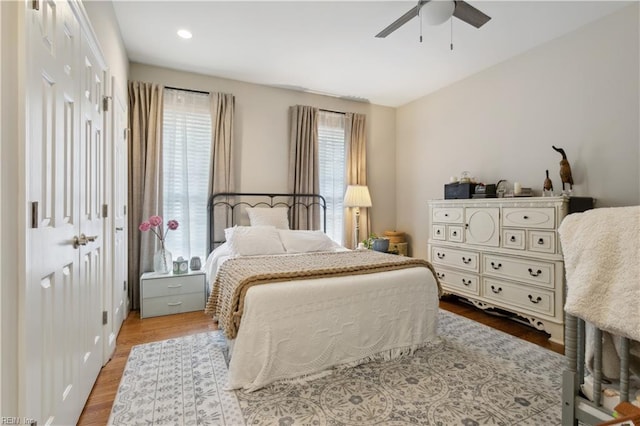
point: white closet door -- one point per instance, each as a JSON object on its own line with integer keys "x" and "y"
{"x": 91, "y": 187}
{"x": 62, "y": 307}
{"x": 119, "y": 300}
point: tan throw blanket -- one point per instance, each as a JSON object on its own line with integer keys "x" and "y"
{"x": 237, "y": 275}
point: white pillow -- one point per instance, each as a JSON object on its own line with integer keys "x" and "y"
{"x": 253, "y": 240}
{"x": 269, "y": 216}
{"x": 306, "y": 241}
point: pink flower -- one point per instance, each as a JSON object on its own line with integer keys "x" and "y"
{"x": 155, "y": 220}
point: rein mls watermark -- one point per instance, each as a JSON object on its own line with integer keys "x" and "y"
{"x": 17, "y": 421}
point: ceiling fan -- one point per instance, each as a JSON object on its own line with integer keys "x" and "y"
{"x": 462, "y": 10}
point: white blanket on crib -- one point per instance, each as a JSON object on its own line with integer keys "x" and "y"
{"x": 602, "y": 255}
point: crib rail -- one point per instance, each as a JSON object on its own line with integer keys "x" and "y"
{"x": 575, "y": 406}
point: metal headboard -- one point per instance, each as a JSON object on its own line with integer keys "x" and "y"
{"x": 227, "y": 209}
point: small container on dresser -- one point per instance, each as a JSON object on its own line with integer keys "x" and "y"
{"x": 165, "y": 294}
{"x": 504, "y": 253}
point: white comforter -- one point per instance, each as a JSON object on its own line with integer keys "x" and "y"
{"x": 290, "y": 330}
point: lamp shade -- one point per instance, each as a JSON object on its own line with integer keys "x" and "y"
{"x": 357, "y": 196}
{"x": 437, "y": 12}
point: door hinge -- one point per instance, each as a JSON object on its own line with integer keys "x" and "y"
{"x": 124, "y": 285}
{"x": 124, "y": 210}
{"x": 34, "y": 214}
{"x": 105, "y": 103}
{"x": 105, "y": 210}
{"x": 126, "y": 133}
{"x": 105, "y": 317}
{"x": 35, "y": 4}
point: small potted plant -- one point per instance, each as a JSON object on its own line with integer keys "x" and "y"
{"x": 374, "y": 242}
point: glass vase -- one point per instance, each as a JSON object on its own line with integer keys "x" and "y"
{"x": 162, "y": 261}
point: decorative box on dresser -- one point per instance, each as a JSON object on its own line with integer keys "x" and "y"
{"x": 165, "y": 294}
{"x": 504, "y": 253}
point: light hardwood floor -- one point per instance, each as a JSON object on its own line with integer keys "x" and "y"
{"x": 136, "y": 331}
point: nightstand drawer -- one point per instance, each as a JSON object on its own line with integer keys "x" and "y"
{"x": 439, "y": 232}
{"x": 172, "y": 285}
{"x": 165, "y": 305}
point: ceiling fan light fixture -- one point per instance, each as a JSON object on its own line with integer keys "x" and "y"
{"x": 437, "y": 12}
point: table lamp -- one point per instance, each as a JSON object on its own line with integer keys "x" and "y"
{"x": 357, "y": 196}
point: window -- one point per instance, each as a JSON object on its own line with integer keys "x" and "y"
{"x": 332, "y": 160}
{"x": 186, "y": 138}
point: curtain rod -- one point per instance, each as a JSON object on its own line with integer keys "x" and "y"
{"x": 188, "y": 90}
{"x": 330, "y": 110}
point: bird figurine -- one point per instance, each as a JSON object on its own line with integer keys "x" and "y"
{"x": 565, "y": 169}
{"x": 547, "y": 185}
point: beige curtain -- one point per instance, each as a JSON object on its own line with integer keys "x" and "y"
{"x": 145, "y": 183}
{"x": 221, "y": 178}
{"x": 304, "y": 176}
{"x": 356, "y": 142}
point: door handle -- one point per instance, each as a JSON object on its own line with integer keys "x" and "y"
{"x": 82, "y": 240}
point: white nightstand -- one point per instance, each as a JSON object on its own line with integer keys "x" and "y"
{"x": 165, "y": 294}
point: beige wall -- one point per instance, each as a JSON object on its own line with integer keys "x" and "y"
{"x": 262, "y": 135}
{"x": 578, "y": 92}
{"x": 105, "y": 26}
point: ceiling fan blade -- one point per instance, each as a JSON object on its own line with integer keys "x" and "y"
{"x": 399, "y": 22}
{"x": 469, "y": 14}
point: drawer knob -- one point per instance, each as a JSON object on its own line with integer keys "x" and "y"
{"x": 525, "y": 217}
{"x": 496, "y": 267}
{"x": 466, "y": 282}
{"x": 174, "y": 303}
{"x": 496, "y": 290}
{"x": 513, "y": 238}
{"x": 455, "y": 233}
{"x": 534, "y": 274}
{"x": 540, "y": 241}
{"x": 466, "y": 260}
{"x": 440, "y": 255}
{"x": 538, "y": 299}
{"x": 446, "y": 215}
{"x": 439, "y": 275}
{"x": 438, "y": 232}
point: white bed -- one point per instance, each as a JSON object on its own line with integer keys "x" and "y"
{"x": 302, "y": 328}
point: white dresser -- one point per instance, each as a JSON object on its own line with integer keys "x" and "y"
{"x": 504, "y": 253}
{"x": 164, "y": 294}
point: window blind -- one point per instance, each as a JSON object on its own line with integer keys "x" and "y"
{"x": 186, "y": 152}
{"x": 332, "y": 161}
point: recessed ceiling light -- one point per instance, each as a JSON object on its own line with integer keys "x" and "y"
{"x": 185, "y": 34}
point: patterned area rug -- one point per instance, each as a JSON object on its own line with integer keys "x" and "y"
{"x": 473, "y": 375}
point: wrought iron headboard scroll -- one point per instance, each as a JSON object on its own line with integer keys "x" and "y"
{"x": 227, "y": 207}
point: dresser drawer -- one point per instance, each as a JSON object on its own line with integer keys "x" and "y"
{"x": 458, "y": 281}
{"x": 520, "y": 269}
{"x": 439, "y": 232}
{"x": 513, "y": 238}
{"x": 542, "y": 241}
{"x": 166, "y": 305}
{"x": 529, "y": 217}
{"x": 447, "y": 214}
{"x": 523, "y": 296}
{"x": 172, "y": 285}
{"x": 455, "y": 233}
{"x": 457, "y": 258}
